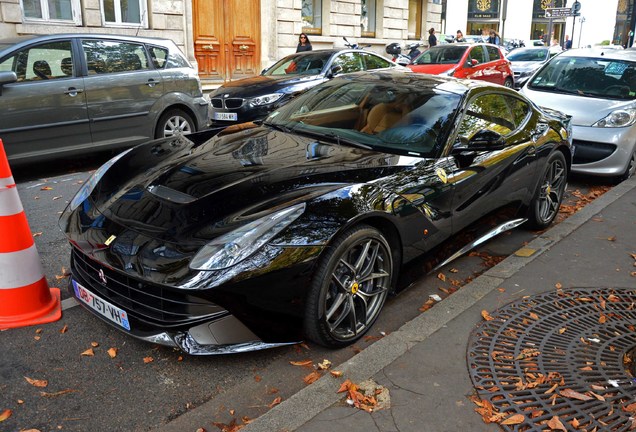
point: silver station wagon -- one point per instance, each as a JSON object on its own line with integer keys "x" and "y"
{"x": 70, "y": 94}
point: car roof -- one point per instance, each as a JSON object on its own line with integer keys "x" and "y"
{"x": 15, "y": 42}
{"x": 613, "y": 54}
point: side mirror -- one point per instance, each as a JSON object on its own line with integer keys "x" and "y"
{"x": 483, "y": 140}
{"x": 335, "y": 70}
{"x": 7, "y": 77}
{"x": 474, "y": 62}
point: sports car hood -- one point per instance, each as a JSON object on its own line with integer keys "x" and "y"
{"x": 262, "y": 84}
{"x": 176, "y": 190}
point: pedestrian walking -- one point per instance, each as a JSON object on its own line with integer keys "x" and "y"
{"x": 494, "y": 38}
{"x": 432, "y": 39}
{"x": 303, "y": 43}
{"x": 568, "y": 43}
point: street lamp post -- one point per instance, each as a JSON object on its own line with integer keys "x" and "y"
{"x": 581, "y": 21}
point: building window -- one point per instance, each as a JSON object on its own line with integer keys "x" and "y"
{"x": 52, "y": 10}
{"x": 367, "y": 18}
{"x": 124, "y": 12}
{"x": 311, "y": 15}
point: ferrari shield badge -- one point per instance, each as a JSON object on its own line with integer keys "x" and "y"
{"x": 441, "y": 173}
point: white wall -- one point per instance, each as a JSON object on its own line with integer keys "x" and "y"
{"x": 456, "y": 13}
{"x": 518, "y": 25}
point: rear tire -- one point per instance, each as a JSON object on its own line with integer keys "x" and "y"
{"x": 174, "y": 122}
{"x": 349, "y": 287}
{"x": 549, "y": 194}
{"x": 508, "y": 83}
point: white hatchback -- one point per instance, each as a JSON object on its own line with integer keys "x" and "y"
{"x": 597, "y": 88}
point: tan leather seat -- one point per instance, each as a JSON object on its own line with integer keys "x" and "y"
{"x": 382, "y": 117}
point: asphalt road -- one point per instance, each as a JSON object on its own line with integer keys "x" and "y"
{"x": 148, "y": 387}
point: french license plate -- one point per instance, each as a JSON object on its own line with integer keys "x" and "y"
{"x": 225, "y": 116}
{"x": 101, "y": 306}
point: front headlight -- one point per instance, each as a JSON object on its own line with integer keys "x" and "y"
{"x": 233, "y": 247}
{"x": 88, "y": 186}
{"x": 618, "y": 118}
{"x": 265, "y": 99}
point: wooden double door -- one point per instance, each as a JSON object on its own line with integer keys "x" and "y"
{"x": 227, "y": 38}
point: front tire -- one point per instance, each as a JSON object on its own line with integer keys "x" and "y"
{"x": 629, "y": 171}
{"x": 174, "y": 122}
{"x": 349, "y": 287}
{"x": 508, "y": 83}
{"x": 549, "y": 194}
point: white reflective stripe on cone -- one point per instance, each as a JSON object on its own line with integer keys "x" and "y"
{"x": 10, "y": 203}
{"x": 21, "y": 268}
{"x": 7, "y": 182}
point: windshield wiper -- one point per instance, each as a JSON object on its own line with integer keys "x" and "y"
{"x": 333, "y": 137}
{"x": 278, "y": 127}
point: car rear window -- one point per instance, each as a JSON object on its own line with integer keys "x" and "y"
{"x": 588, "y": 77}
{"x": 447, "y": 54}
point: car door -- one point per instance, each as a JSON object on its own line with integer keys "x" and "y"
{"x": 485, "y": 180}
{"x": 45, "y": 110}
{"x": 123, "y": 91}
{"x": 475, "y": 63}
{"x": 496, "y": 69}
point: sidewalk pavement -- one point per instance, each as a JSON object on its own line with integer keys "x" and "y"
{"x": 423, "y": 364}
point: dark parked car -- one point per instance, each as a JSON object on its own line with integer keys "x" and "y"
{"x": 265, "y": 234}
{"x": 478, "y": 61}
{"x": 526, "y": 61}
{"x": 62, "y": 95}
{"x": 254, "y": 98}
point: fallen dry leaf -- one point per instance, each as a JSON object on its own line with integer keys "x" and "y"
{"x": 324, "y": 365}
{"x": 558, "y": 285}
{"x": 94, "y": 344}
{"x": 441, "y": 276}
{"x": 485, "y": 315}
{"x": 257, "y": 378}
{"x": 37, "y": 234}
{"x": 46, "y": 188}
{"x": 148, "y": 359}
{"x": 312, "y": 377}
{"x": 64, "y": 329}
{"x": 112, "y": 352}
{"x": 336, "y": 374}
{"x": 555, "y": 424}
{"x": 514, "y": 419}
{"x": 275, "y": 402}
{"x": 36, "y": 382}
{"x": 60, "y": 393}
{"x": 569, "y": 393}
{"x": 88, "y": 353}
{"x": 5, "y": 414}
{"x": 301, "y": 363}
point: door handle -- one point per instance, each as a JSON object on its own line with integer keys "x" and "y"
{"x": 208, "y": 47}
{"x": 72, "y": 91}
{"x": 151, "y": 83}
{"x": 539, "y": 130}
{"x": 243, "y": 47}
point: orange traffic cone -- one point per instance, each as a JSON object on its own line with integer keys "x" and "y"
{"x": 25, "y": 297}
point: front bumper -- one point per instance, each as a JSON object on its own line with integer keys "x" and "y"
{"x": 603, "y": 151}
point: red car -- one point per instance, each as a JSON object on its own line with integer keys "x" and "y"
{"x": 479, "y": 61}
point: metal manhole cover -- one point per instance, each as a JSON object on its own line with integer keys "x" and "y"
{"x": 562, "y": 354}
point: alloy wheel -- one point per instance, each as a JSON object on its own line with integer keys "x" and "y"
{"x": 551, "y": 192}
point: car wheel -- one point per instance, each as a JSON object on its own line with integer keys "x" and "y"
{"x": 629, "y": 171}
{"x": 508, "y": 83}
{"x": 349, "y": 287}
{"x": 547, "y": 199}
{"x": 174, "y": 122}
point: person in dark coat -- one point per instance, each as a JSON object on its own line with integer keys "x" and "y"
{"x": 432, "y": 39}
{"x": 303, "y": 43}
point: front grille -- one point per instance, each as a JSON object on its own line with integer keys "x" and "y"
{"x": 588, "y": 151}
{"x": 230, "y": 103}
{"x": 151, "y": 303}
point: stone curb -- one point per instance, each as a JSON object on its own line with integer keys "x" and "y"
{"x": 315, "y": 398}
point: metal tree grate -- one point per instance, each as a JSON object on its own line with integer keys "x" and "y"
{"x": 541, "y": 356}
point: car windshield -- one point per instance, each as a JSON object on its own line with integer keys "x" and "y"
{"x": 300, "y": 64}
{"x": 447, "y": 54}
{"x": 400, "y": 116}
{"x": 530, "y": 55}
{"x": 591, "y": 77}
